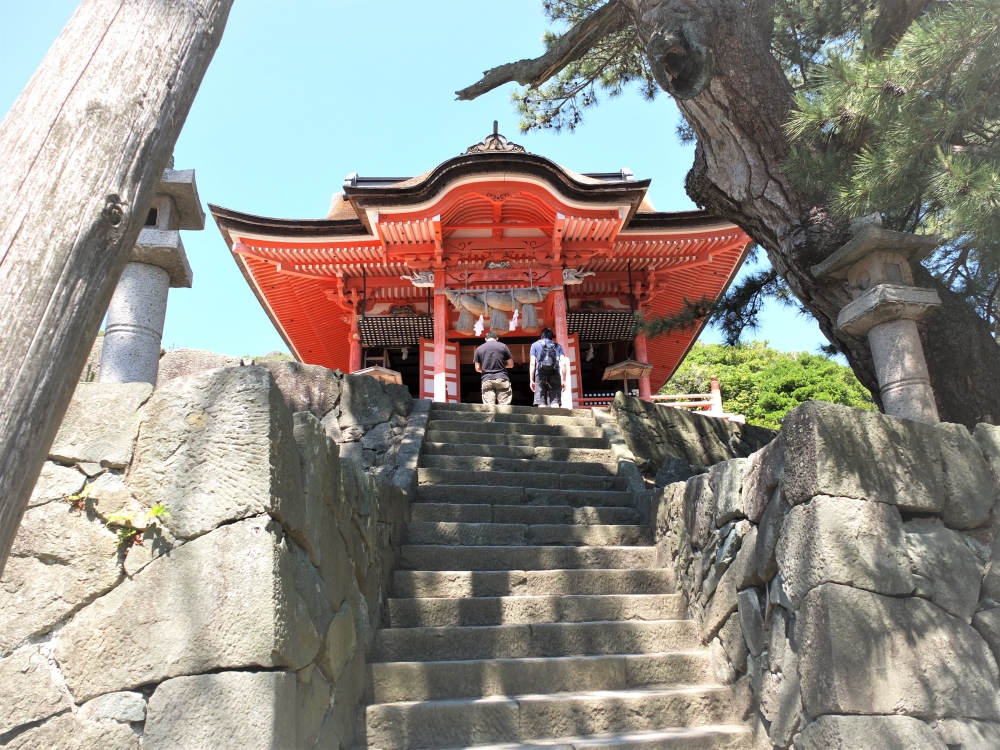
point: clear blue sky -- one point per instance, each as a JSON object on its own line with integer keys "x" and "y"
{"x": 302, "y": 93}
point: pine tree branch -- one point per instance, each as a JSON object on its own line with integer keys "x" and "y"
{"x": 571, "y": 46}
{"x": 894, "y": 18}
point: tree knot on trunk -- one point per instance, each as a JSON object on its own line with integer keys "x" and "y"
{"x": 680, "y": 63}
{"x": 115, "y": 211}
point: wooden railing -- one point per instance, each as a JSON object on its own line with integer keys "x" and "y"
{"x": 709, "y": 404}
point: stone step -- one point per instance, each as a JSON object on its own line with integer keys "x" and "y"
{"x": 521, "y": 535}
{"x": 457, "y": 723}
{"x": 480, "y": 494}
{"x": 486, "y": 438}
{"x": 528, "y": 410}
{"x": 448, "y": 557}
{"x": 532, "y": 452}
{"x": 392, "y": 682}
{"x": 529, "y": 514}
{"x": 507, "y": 428}
{"x": 541, "y": 639}
{"x": 481, "y": 463}
{"x": 711, "y": 737}
{"x": 539, "y": 479}
{"x": 525, "y": 610}
{"x": 466, "y": 584}
{"x": 537, "y": 416}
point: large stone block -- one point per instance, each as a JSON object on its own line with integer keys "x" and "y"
{"x": 971, "y": 491}
{"x": 761, "y": 474}
{"x": 838, "y": 451}
{"x": 363, "y": 402}
{"x": 216, "y": 447}
{"x": 865, "y": 653}
{"x": 223, "y": 601}
{"x": 699, "y": 509}
{"x": 947, "y": 571}
{"x": 402, "y": 399}
{"x": 726, "y": 479}
{"x": 311, "y": 703}
{"x": 768, "y": 533}
{"x": 124, "y": 707}
{"x": 101, "y": 424}
{"x": 309, "y": 521}
{"x": 61, "y": 559}
{"x": 987, "y": 624}
{"x": 656, "y": 433}
{"x": 309, "y": 388}
{"x": 245, "y": 710}
{"x": 67, "y": 732}
{"x": 56, "y": 482}
{"x": 840, "y": 540}
{"x": 179, "y": 363}
{"x": 869, "y": 733}
{"x": 28, "y": 692}
{"x": 968, "y": 734}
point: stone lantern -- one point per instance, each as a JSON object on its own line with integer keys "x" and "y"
{"x": 131, "y": 349}
{"x": 886, "y": 306}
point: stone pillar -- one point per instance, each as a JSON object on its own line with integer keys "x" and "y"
{"x": 886, "y": 308}
{"x": 440, "y": 342}
{"x": 641, "y": 355}
{"x": 131, "y": 347}
{"x": 131, "y": 350}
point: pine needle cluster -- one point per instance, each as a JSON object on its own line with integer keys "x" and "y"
{"x": 915, "y": 135}
{"x": 613, "y": 64}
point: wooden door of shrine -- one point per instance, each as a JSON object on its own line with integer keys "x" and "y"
{"x": 451, "y": 371}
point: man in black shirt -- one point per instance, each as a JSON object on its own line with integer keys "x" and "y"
{"x": 493, "y": 359}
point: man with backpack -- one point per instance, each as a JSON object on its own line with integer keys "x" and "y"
{"x": 547, "y": 369}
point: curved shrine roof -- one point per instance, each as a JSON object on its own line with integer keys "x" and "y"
{"x": 493, "y": 207}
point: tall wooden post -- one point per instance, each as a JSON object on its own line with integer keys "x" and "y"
{"x": 440, "y": 342}
{"x": 645, "y": 389}
{"x": 559, "y": 313}
{"x": 355, "y": 364}
{"x": 84, "y": 148}
{"x": 562, "y": 336}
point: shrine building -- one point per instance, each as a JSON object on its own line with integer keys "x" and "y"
{"x": 405, "y": 274}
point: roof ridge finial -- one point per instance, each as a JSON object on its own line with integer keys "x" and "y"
{"x": 495, "y": 142}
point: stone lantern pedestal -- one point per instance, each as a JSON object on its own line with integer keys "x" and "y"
{"x": 886, "y": 307}
{"x": 131, "y": 348}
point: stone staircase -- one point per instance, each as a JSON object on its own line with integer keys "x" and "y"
{"x": 528, "y": 611}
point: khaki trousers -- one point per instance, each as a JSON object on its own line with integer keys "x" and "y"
{"x": 497, "y": 392}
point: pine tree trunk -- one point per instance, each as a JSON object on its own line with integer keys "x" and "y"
{"x": 713, "y": 58}
{"x": 83, "y": 150}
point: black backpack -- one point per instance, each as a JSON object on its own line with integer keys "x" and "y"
{"x": 547, "y": 360}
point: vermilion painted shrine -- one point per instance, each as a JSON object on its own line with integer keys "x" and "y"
{"x": 401, "y": 270}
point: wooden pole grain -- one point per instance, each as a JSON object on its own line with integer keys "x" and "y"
{"x": 81, "y": 153}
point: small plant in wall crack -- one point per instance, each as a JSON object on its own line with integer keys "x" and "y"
{"x": 128, "y": 525}
{"x": 79, "y": 500}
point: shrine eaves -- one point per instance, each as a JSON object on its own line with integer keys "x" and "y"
{"x": 405, "y": 273}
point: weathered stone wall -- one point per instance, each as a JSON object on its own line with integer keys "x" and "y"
{"x": 845, "y": 575}
{"x": 673, "y": 444}
{"x": 241, "y": 616}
